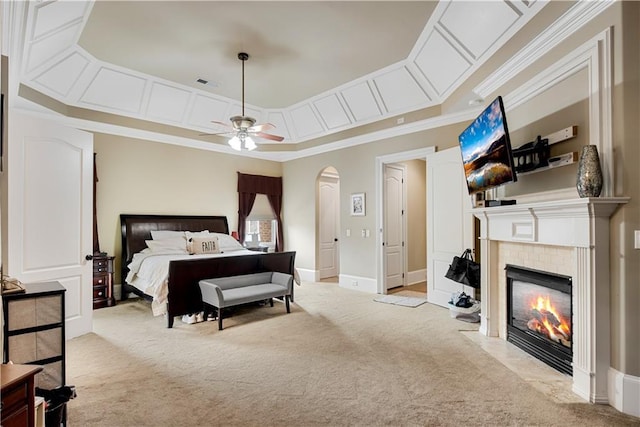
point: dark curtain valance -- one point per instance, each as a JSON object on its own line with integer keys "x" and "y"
{"x": 258, "y": 184}
{"x": 248, "y": 187}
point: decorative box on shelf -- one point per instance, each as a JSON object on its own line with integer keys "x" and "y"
{"x": 103, "y": 281}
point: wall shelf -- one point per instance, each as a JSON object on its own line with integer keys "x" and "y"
{"x": 562, "y": 159}
{"x": 573, "y": 159}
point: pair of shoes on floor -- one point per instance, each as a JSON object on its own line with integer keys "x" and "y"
{"x": 190, "y": 319}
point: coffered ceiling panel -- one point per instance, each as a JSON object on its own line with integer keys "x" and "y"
{"x": 49, "y": 47}
{"x": 400, "y": 91}
{"x": 305, "y": 121}
{"x": 61, "y": 77}
{"x": 361, "y": 102}
{"x": 331, "y": 111}
{"x": 205, "y": 109}
{"x": 478, "y": 25}
{"x": 167, "y": 103}
{"x": 115, "y": 90}
{"x": 441, "y": 63}
{"x": 51, "y": 16}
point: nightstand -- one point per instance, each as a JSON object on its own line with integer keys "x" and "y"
{"x": 103, "y": 281}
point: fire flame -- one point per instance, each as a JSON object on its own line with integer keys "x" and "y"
{"x": 548, "y": 321}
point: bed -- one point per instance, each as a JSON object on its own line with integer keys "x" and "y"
{"x": 183, "y": 272}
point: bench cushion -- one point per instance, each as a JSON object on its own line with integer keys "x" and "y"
{"x": 252, "y": 293}
{"x": 241, "y": 281}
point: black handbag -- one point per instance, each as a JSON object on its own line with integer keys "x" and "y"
{"x": 463, "y": 269}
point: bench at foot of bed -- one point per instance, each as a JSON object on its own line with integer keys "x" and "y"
{"x": 230, "y": 291}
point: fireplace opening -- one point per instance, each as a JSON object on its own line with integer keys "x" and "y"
{"x": 539, "y": 315}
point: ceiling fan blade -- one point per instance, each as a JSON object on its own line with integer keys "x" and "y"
{"x": 269, "y": 136}
{"x": 226, "y": 125}
{"x": 261, "y": 127}
{"x": 218, "y": 133}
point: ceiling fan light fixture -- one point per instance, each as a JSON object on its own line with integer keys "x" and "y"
{"x": 249, "y": 144}
{"x": 235, "y": 143}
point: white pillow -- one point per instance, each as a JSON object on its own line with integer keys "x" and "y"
{"x": 206, "y": 244}
{"x": 166, "y": 234}
{"x": 228, "y": 243}
{"x": 175, "y": 244}
{"x": 190, "y": 234}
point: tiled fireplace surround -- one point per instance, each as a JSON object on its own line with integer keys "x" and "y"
{"x": 569, "y": 237}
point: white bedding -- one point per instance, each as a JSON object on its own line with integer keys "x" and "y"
{"x": 149, "y": 270}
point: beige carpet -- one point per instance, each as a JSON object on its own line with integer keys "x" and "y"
{"x": 338, "y": 359}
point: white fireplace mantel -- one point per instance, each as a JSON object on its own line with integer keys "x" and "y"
{"x": 582, "y": 224}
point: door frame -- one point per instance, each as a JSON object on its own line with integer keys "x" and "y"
{"x": 420, "y": 153}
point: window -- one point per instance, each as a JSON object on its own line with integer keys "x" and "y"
{"x": 261, "y": 226}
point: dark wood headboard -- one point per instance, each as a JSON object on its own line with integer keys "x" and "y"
{"x": 137, "y": 228}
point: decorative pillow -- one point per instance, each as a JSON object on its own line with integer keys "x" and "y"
{"x": 204, "y": 245}
{"x": 175, "y": 244}
{"x": 166, "y": 234}
{"x": 189, "y": 235}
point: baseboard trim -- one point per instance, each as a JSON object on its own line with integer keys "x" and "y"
{"x": 307, "y": 275}
{"x": 357, "y": 283}
{"x": 624, "y": 392}
{"x": 416, "y": 276}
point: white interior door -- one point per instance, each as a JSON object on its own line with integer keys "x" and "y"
{"x": 393, "y": 226}
{"x": 50, "y": 212}
{"x": 449, "y": 222}
{"x": 328, "y": 229}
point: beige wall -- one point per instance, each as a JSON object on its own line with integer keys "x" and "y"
{"x": 356, "y": 166}
{"x": 137, "y": 176}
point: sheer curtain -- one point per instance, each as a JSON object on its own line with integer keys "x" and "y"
{"x": 248, "y": 187}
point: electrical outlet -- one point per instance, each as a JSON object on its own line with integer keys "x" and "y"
{"x": 368, "y": 233}
{"x": 348, "y": 232}
{"x": 400, "y": 120}
{"x": 364, "y": 233}
{"x": 354, "y": 283}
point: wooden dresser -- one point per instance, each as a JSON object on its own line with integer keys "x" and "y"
{"x": 18, "y": 391}
{"x": 103, "y": 281}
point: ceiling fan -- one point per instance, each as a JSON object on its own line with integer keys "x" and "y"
{"x": 242, "y": 127}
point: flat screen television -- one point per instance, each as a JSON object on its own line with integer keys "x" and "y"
{"x": 486, "y": 150}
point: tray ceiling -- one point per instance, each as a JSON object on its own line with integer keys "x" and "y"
{"x": 315, "y": 68}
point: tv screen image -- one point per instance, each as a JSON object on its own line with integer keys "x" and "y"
{"x": 486, "y": 150}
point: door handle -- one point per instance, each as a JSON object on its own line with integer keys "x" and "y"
{"x": 335, "y": 239}
{"x": 88, "y": 257}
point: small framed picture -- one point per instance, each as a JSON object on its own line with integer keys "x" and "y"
{"x": 357, "y": 204}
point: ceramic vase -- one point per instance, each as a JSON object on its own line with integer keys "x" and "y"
{"x": 589, "y": 180}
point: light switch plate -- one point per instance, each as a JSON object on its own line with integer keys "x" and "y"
{"x": 636, "y": 240}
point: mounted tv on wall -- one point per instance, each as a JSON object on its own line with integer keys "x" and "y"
{"x": 486, "y": 150}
